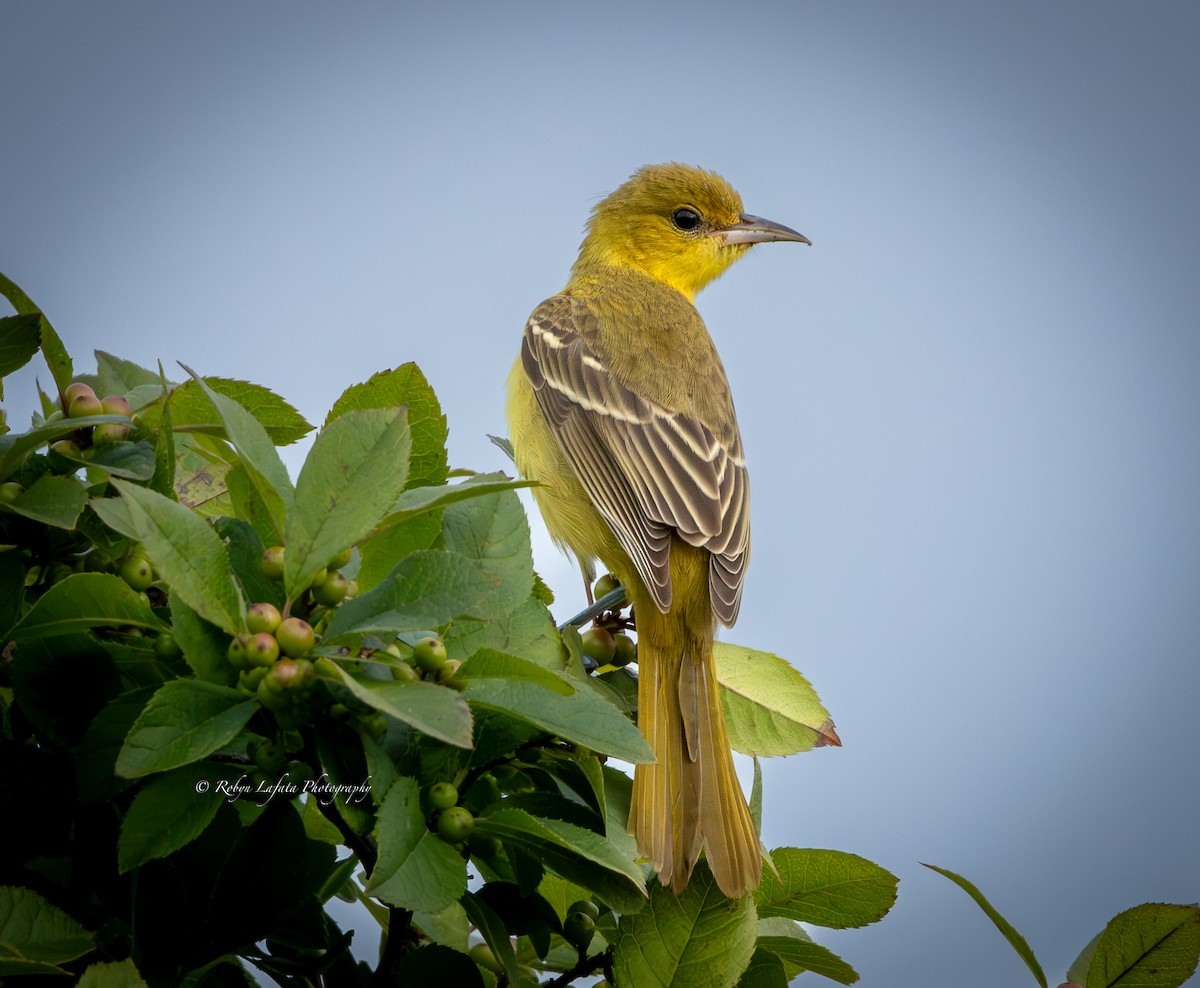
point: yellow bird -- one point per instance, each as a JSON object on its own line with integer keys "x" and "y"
{"x": 619, "y": 405}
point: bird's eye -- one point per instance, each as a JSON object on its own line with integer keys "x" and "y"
{"x": 685, "y": 219}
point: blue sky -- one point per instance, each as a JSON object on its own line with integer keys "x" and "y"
{"x": 970, "y": 407}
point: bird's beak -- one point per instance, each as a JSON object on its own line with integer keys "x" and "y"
{"x": 756, "y": 230}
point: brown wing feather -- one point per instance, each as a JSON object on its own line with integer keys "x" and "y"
{"x": 650, "y": 471}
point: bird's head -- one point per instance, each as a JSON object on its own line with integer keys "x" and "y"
{"x": 681, "y": 225}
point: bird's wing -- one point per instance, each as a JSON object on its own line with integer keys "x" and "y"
{"x": 651, "y": 472}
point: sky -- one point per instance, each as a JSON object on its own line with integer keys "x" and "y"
{"x": 970, "y": 408}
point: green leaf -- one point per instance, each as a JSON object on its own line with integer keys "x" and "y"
{"x": 20, "y": 338}
{"x": 205, "y": 646}
{"x": 435, "y": 710}
{"x": 826, "y": 888}
{"x": 257, "y": 451}
{"x": 405, "y": 385}
{"x": 527, "y": 631}
{"x": 765, "y": 971}
{"x": 35, "y": 935}
{"x": 83, "y": 601}
{"x": 193, "y": 410}
{"x": 1010, "y": 934}
{"x": 418, "y": 500}
{"x": 133, "y": 461}
{"x": 1154, "y": 945}
{"x": 57, "y": 358}
{"x": 169, "y": 813}
{"x": 415, "y": 869}
{"x": 697, "y": 939}
{"x": 574, "y": 853}
{"x": 434, "y": 964}
{"x": 494, "y": 531}
{"x": 1077, "y": 972}
{"x": 579, "y": 716}
{"x": 117, "y": 376}
{"x": 14, "y": 448}
{"x": 117, "y": 974}
{"x": 770, "y": 709}
{"x": 808, "y": 956}
{"x": 185, "y": 721}
{"x": 494, "y": 932}
{"x": 52, "y": 500}
{"x": 354, "y": 472}
{"x": 383, "y": 550}
{"x": 426, "y": 589}
{"x": 185, "y": 552}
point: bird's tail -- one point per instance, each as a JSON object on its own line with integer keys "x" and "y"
{"x": 689, "y": 799}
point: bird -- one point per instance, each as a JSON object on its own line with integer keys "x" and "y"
{"x": 619, "y": 407}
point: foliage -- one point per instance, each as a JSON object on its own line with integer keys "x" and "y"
{"x": 257, "y": 694}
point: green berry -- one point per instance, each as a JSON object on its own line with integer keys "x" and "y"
{"x": 447, "y": 675}
{"x": 578, "y": 930}
{"x": 455, "y": 824}
{"x": 288, "y": 674}
{"x": 83, "y": 405}
{"x": 585, "y": 906}
{"x": 319, "y": 577}
{"x": 626, "y": 650}
{"x": 340, "y": 560}
{"x": 166, "y": 647}
{"x": 295, "y": 636}
{"x": 249, "y": 679}
{"x": 115, "y": 405}
{"x": 270, "y": 757}
{"x": 74, "y": 389}
{"x": 404, "y": 672}
{"x": 482, "y": 955}
{"x": 443, "y": 795}
{"x": 598, "y": 644}
{"x": 10, "y": 490}
{"x": 605, "y": 585}
{"x": 137, "y": 572}
{"x": 429, "y": 654}
{"x": 332, "y": 591}
{"x": 236, "y": 652}
{"x": 262, "y": 650}
{"x": 272, "y": 562}
{"x": 263, "y": 617}
{"x": 109, "y": 432}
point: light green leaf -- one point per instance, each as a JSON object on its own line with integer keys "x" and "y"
{"x": 53, "y": 500}
{"x": 803, "y": 955}
{"x": 185, "y": 552}
{"x": 435, "y": 710}
{"x": 418, "y": 500}
{"x": 574, "y": 853}
{"x": 169, "y": 813}
{"x": 57, "y": 358}
{"x": 770, "y": 709}
{"x": 117, "y": 974}
{"x": 527, "y": 630}
{"x": 415, "y": 869}
{"x": 697, "y": 939}
{"x": 83, "y": 601}
{"x": 1154, "y": 945}
{"x": 582, "y": 716}
{"x": 354, "y": 472}
{"x": 117, "y": 376}
{"x": 193, "y": 411}
{"x": 205, "y": 646}
{"x": 14, "y": 448}
{"x": 826, "y": 888}
{"x": 426, "y": 589}
{"x": 494, "y": 532}
{"x": 34, "y": 935}
{"x": 405, "y": 385}
{"x": 1014, "y": 938}
{"x": 256, "y": 449}
{"x": 185, "y": 721}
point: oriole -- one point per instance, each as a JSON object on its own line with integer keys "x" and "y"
{"x": 619, "y": 405}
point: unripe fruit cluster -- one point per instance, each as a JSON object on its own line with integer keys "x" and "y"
{"x": 427, "y": 661}
{"x": 604, "y": 648}
{"x": 80, "y": 401}
{"x": 579, "y": 926}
